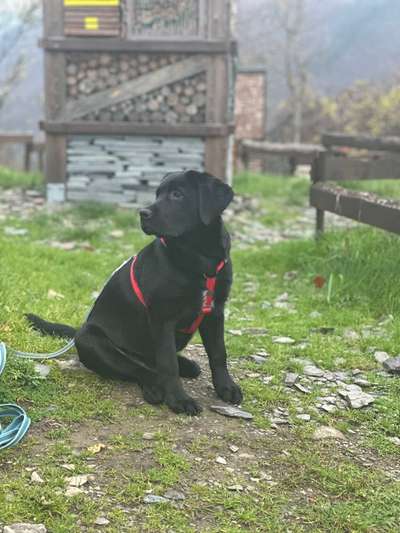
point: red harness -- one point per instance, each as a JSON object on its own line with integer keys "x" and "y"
{"x": 208, "y": 296}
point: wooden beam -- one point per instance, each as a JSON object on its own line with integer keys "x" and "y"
{"x": 363, "y": 142}
{"x": 341, "y": 168}
{"x": 137, "y": 87}
{"x": 53, "y": 18}
{"x": 289, "y": 149}
{"x": 136, "y": 128}
{"x": 192, "y": 46}
{"x": 360, "y": 206}
{"x": 56, "y": 158}
{"x": 15, "y": 137}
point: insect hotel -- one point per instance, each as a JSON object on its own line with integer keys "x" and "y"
{"x": 135, "y": 89}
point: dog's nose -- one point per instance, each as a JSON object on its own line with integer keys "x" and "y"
{"x": 145, "y": 213}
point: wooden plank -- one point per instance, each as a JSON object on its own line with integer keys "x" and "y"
{"x": 340, "y": 168}
{"x": 55, "y": 85}
{"x": 91, "y": 3}
{"x": 216, "y": 156}
{"x": 218, "y": 20}
{"x": 15, "y": 137}
{"x": 53, "y": 20}
{"x": 290, "y": 149}
{"x": 137, "y": 45}
{"x": 364, "y": 142}
{"x": 55, "y": 164}
{"x": 362, "y": 207}
{"x": 131, "y": 128}
{"x": 137, "y": 87}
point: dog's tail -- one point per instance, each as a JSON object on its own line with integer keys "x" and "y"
{"x": 48, "y": 328}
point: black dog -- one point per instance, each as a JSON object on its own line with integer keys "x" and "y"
{"x": 151, "y": 305}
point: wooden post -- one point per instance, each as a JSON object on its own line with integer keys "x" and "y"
{"x": 320, "y": 213}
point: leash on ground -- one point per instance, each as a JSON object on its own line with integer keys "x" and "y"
{"x": 19, "y": 421}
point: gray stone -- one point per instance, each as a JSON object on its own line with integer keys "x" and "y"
{"x": 355, "y": 397}
{"x": 328, "y": 408}
{"x": 304, "y": 417}
{"x": 301, "y": 388}
{"x": 392, "y": 365}
{"x": 283, "y": 340}
{"x": 174, "y": 495}
{"x": 101, "y": 521}
{"x": 313, "y": 371}
{"x": 259, "y": 359}
{"x": 291, "y": 378}
{"x": 25, "y": 528}
{"x": 42, "y": 370}
{"x": 231, "y": 411}
{"x": 153, "y": 498}
{"x": 327, "y": 432}
{"x": 381, "y": 357}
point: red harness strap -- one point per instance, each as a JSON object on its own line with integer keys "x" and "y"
{"x": 208, "y": 295}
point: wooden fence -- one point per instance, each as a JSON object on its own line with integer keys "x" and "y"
{"x": 149, "y": 78}
{"x": 29, "y": 147}
{"x": 292, "y": 154}
{"x": 349, "y": 158}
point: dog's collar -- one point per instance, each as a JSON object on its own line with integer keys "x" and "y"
{"x": 208, "y": 294}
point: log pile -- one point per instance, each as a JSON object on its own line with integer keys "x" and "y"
{"x": 177, "y": 103}
{"x": 126, "y": 169}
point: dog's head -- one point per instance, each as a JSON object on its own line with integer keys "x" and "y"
{"x": 184, "y": 201}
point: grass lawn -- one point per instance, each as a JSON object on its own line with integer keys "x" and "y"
{"x": 235, "y": 475}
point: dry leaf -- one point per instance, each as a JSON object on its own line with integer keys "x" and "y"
{"x": 96, "y": 448}
{"x": 53, "y": 295}
{"x": 319, "y": 282}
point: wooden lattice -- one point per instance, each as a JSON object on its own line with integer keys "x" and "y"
{"x": 164, "y": 18}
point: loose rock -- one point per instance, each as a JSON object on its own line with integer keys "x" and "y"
{"x": 233, "y": 412}
{"x": 381, "y": 357}
{"x": 25, "y": 528}
{"x": 290, "y": 379}
{"x": 153, "y": 498}
{"x": 392, "y": 365}
{"x": 174, "y": 495}
{"x": 101, "y": 521}
{"x": 355, "y": 397}
{"x": 35, "y": 478}
{"x": 327, "y": 432}
{"x": 283, "y": 340}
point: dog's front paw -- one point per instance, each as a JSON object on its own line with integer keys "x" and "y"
{"x": 153, "y": 394}
{"x": 229, "y": 392}
{"x": 183, "y": 404}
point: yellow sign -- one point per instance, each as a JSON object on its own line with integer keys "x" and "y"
{"x": 91, "y": 23}
{"x": 91, "y": 3}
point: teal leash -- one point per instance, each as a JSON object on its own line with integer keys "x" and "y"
{"x": 20, "y": 422}
{"x": 16, "y": 430}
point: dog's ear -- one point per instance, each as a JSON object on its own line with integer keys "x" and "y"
{"x": 214, "y": 195}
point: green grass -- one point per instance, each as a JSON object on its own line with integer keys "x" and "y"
{"x": 12, "y": 178}
{"x": 309, "y": 486}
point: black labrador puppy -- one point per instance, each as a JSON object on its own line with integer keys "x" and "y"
{"x": 152, "y": 305}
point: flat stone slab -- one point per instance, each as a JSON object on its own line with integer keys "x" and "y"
{"x": 392, "y": 365}
{"x": 25, "y": 528}
{"x": 327, "y": 432}
{"x": 231, "y": 411}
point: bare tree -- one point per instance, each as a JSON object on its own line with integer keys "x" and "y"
{"x": 290, "y": 18}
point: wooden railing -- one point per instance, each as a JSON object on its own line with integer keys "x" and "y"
{"x": 348, "y": 158}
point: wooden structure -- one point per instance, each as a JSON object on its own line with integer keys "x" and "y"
{"x": 134, "y": 89}
{"x": 350, "y": 158}
{"x": 29, "y": 147}
{"x": 251, "y": 103}
{"x": 291, "y": 153}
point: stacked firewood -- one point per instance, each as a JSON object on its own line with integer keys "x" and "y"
{"x": 177, "y": 103}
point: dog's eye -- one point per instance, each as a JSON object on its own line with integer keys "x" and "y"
{"x": 176, "y": 195}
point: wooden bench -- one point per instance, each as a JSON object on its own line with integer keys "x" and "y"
{"x": 358, "y": 157}
{"x": 29, "y": 145}
{"x": 295, "y": 153}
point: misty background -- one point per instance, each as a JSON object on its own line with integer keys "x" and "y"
{"x": 337, "y": 43}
